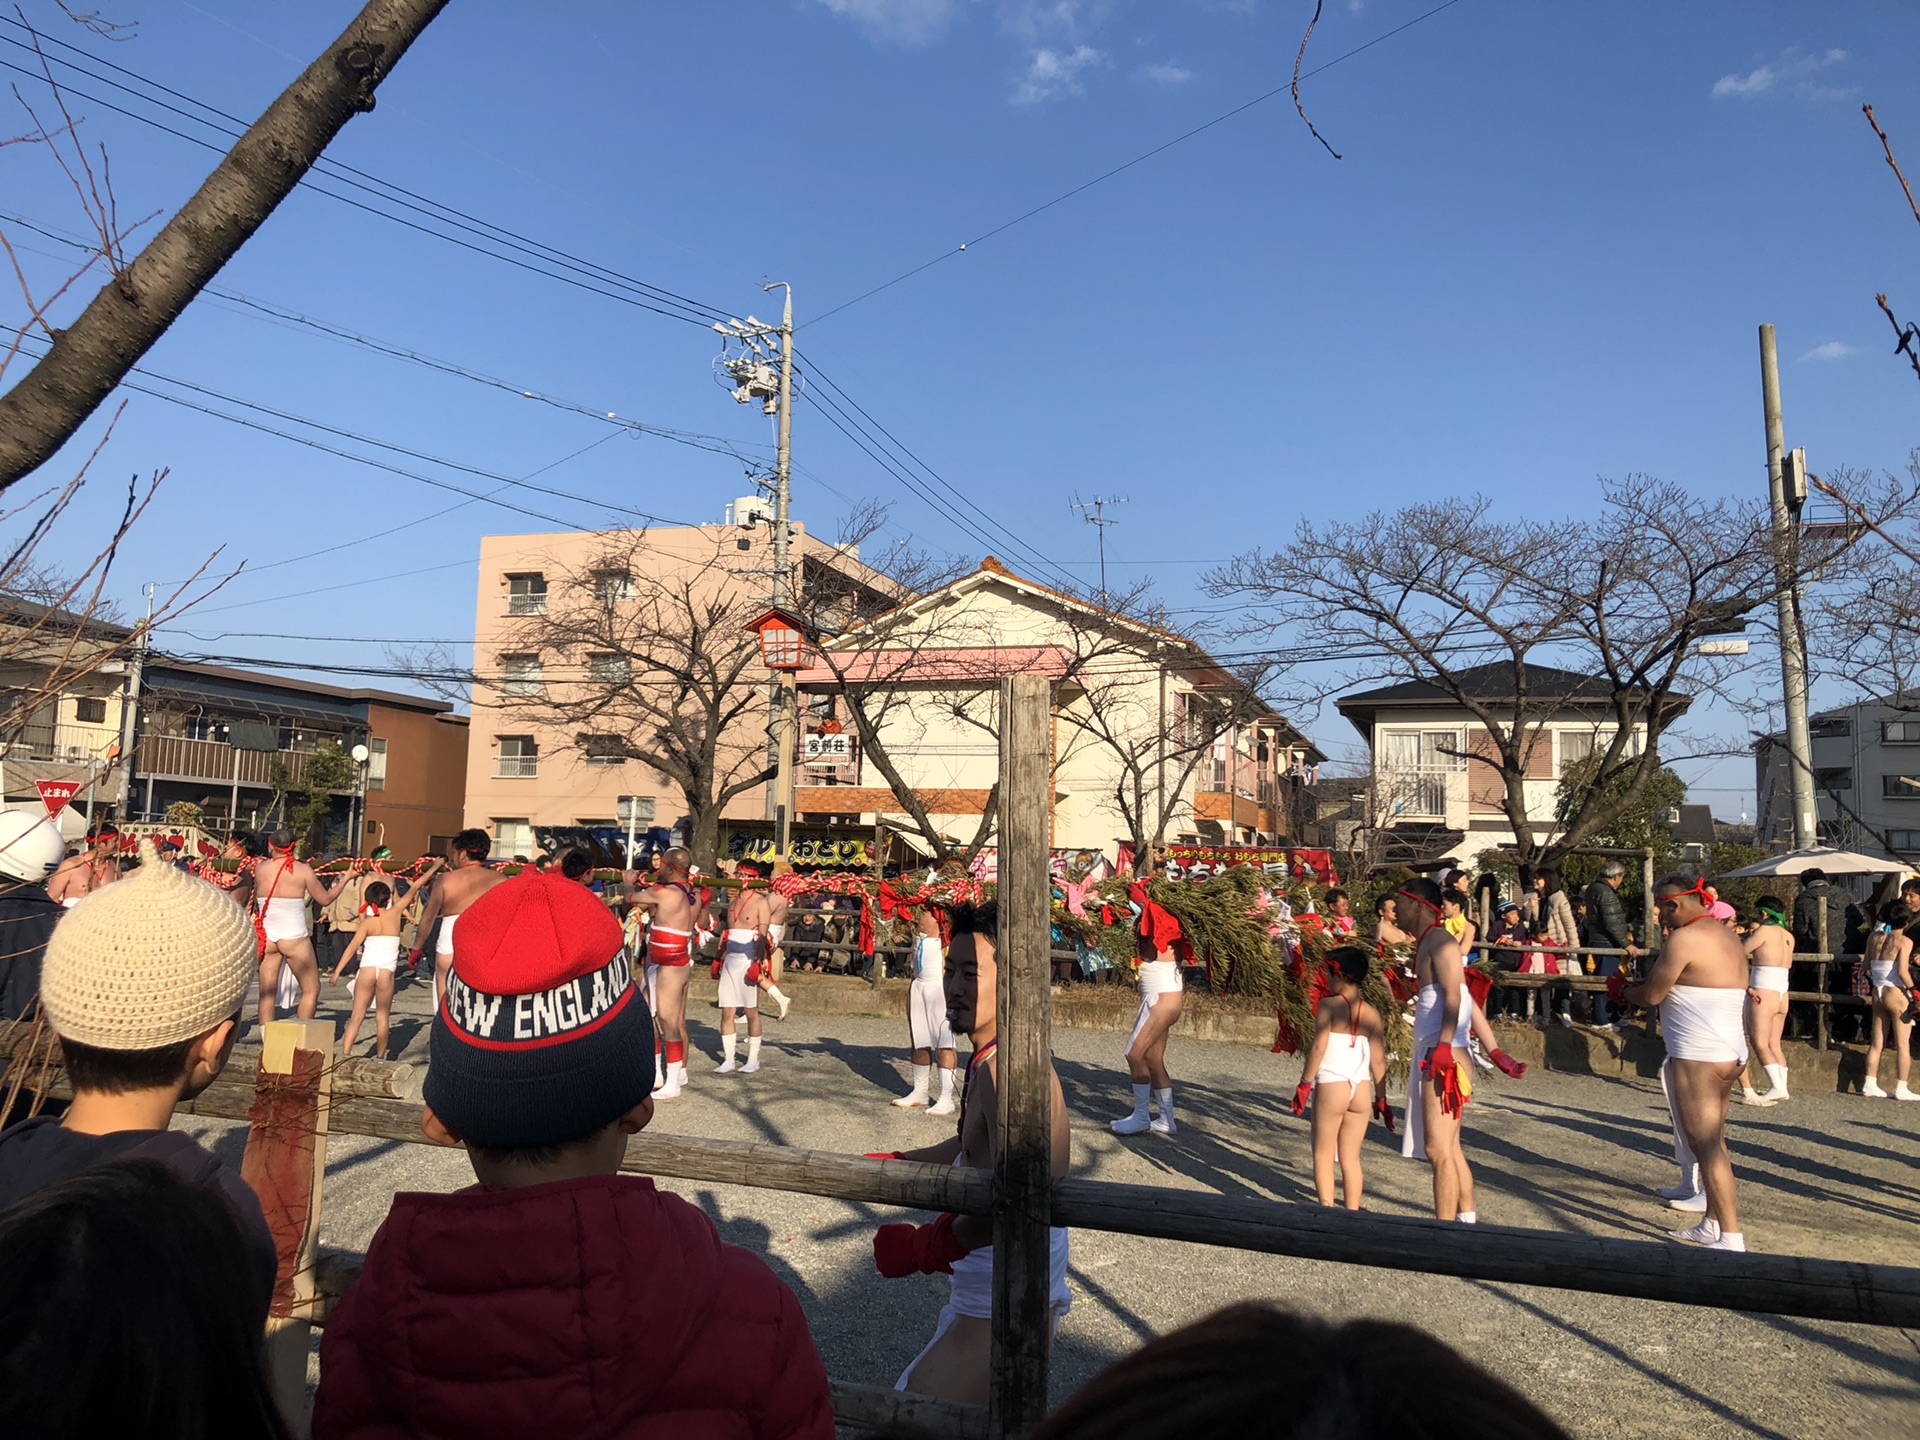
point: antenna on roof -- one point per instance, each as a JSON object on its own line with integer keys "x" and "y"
{"x": 1094, "y": 513}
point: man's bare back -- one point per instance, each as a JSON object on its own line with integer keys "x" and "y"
{"x": 1770, "y": 945}
{"x": 458, "y": 889}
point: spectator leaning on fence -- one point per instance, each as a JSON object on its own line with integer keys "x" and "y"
{"x": 1608, "y": 929}
{"x": 557, "y": 1296}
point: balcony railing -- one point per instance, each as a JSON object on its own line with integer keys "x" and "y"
{"x": 65, "y": 744}
{"x": 1410, "y": 795}
{"x": 518, "y": 767}
{"x": 174, "y": 757}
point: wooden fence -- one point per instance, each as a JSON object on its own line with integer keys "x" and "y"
{"x": 1024, "y": 1200}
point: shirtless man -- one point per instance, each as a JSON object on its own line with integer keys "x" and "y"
{"x": 777, "y": 907}
{"x": 743, "y": 952}
{"x": 80, "y": 875}
{"x": 1770, "y": 952}
{"x": 956, "y": 1363}
{"x": 929, "y": 1031}
{"x": 674, "y": 911}
{"x": 452, "y": 895}
{"x": 277, "y": 893}
{"x": 1699, "y": 981}
{"x": 1442, "y": 1079}
{"x": 1889, "y": 962}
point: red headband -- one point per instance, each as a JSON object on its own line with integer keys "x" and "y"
{"x": 1706, "y": 896}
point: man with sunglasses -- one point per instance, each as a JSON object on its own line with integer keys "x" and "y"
{"x": 1699, "y": 982}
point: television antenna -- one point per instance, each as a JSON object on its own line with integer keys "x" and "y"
{"x": 1094, "y": 512}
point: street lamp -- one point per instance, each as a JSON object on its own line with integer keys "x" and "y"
{"x": 787, "y": 646}
{"x": 360, "y": 754}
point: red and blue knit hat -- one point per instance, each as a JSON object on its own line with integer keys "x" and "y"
{"x": 544, "y": 1036}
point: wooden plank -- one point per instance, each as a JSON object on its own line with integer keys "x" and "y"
{"x": 1766, "y": 1284}
{"x": 1023, "y": 1170}
{"x": 895, "y": 1412}
{"x": 286, "y": 1163}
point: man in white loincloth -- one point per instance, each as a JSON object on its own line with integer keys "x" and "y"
{"x": 929, "y": 1031}
{"x": 1442, "y": 1081}
{"x": 277, "y": 893}
{"x": 454, "y": 893}
{"x": 1699, "y": 982}
{"x": 742, "y": 950}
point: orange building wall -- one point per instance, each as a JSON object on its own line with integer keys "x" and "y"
{"x": 426, "y": 780}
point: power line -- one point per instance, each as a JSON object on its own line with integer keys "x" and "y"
{"x": 642, "y": 294}
{"x": 1106, "y": 175}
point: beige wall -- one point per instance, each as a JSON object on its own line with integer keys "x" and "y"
{"x": 568, "y": 789}
{"x": 425, "y": 783}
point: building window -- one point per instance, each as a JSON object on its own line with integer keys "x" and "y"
{"x": 604, "y": 749}
{"x": 376, "y": 764}
{"x": 1576, "y": 748}
{"x": 1834, "y": 777}
{"x": 608, "y": 668}
{"x": 1900, "y": 732}
{"x": 90, "y": 710}
{"x": 201, "y": 726}
{"x": 526, "y": 594}
{"x": 519, "y": 758}
{"x": 523, "y": 677}
{"x": 1831, "y": 727}
{"x": 1900, "y": 787}
{"x": 1903, "y": 842}
{"x": 612, "y": 586}
{"x": 512, "y": 837}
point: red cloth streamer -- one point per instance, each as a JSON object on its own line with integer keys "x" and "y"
{"x": 1479, "y": 986}
{"x": 866, "y": 927}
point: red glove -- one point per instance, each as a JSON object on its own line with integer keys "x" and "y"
{"x": 1441, "y": 1067}
{"x": 1300, "y": 1094}
{"x": 1617, "y": 987}
{"x": 885, "y": 1155}
{"x": 414, "y": 958}
{"x": 1508, "y": 1065}
{"x": 718, "y": 966}
{"x": 1384, "y": 1111}
{"x": 903, "y": 1250}
{"x": 753, "y": 974}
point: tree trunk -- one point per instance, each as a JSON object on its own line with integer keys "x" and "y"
{"x": 705, "y": 821}
{"x": 133, "y": 310}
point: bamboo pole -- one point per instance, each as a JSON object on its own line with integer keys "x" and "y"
{"x": 1023, "y": 1169}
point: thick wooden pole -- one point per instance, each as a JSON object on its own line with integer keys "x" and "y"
{"x": 1023, "y": 1176}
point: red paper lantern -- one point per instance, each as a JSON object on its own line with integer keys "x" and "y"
{"x": 786, "y": 641}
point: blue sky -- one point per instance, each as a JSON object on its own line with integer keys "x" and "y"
{"x": 1542, "y": 260}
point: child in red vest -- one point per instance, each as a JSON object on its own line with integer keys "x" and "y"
{"x": 557, "y": 1296}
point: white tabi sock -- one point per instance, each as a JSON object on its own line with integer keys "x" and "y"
{"x": 1164, "y": 1099}
{"x": 946, "y": 1085}
{"x": 773, "y": 994}
{"x": 1778, "y": 1075}
{"x": 753, "y": 1049}
{"x": 727, "y": 1043}
{"x": 922, "y": 1076}
{"x": 1468, "y": 1217}
{"x": 1142, "y": 1097}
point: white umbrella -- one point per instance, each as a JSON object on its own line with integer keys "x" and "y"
{"x": 1821, "y": 857}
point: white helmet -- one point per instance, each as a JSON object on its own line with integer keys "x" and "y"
{"x": 31, "y": 848}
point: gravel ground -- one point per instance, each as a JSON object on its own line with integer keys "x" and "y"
{"x": 1825, "y": 1175}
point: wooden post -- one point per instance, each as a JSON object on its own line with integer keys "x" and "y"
{"x": 286, "y": 1164}
{"x": 1023, "y": 1176}
{"x": 1820, "y": 984}
{"x": 1649, "y": 922}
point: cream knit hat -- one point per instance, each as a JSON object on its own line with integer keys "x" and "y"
{"x": 148, "y": 961}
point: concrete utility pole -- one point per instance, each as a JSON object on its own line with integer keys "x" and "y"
{"x": 1785, "y": 502}
{"x": 130, "y": 712}
{"x": 786, "y": 695}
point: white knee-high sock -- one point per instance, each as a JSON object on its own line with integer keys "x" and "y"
{"x": 773, "y": 994}
{"x": 727, "y": 1043}
{"x": 946, "y": 1085}
{"x": 1778, "y": 1075}
{"x": 753, "y": 1049}
{"x": 1142, "y": 1095}
{"x": 922, "y": 1077}
{"x": 1164, "y": 1099}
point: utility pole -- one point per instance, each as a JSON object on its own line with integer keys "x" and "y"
{"x": 1785, "y": 494}
{"x": 130, "y": 711}
{"x": 756, "y": 375}
{"x": 1098, "y": 519}
{"x": 785, "y": 705}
